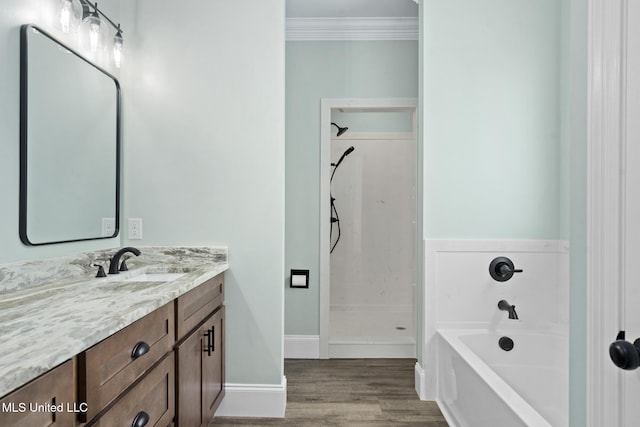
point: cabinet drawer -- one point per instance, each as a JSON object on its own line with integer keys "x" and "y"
{"x": 152, "y": 398}
{"x": 55, "y": 388}
{"x": 109, "y": 367}
{"x": 194, "y": 306}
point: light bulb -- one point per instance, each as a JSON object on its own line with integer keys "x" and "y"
{"x": 65, "y": 16}
{"x": 69, "y": 15}
{"x": 117, "y": 48}
{"x": 94, "y": 29}
{"x": 94, "y": 36}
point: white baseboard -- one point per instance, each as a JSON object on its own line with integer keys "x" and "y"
{"x": 446, "y": 413}
{"x": 420, "y": 382}
{"x": 254, "y": 400}
{"x": 301, "y": 346}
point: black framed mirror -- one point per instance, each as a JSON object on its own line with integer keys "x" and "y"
{"x": 69, "y": 144}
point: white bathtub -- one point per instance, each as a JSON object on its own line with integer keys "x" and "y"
{"x": 479, "y": 384}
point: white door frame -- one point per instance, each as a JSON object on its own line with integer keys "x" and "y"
{"x": 606, "y": 112}
{"x": 348, "y": 105}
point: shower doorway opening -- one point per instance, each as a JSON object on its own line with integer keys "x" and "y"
{"x": 369, "y": 228}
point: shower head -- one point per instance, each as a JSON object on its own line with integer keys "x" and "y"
{"x": 340, "y": 130}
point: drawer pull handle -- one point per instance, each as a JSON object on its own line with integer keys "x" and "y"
{"x": 213, "y": 338}
{"x": 208, "y": 348}
{"x": 141, "y": 419}
{"x": 140, "y": 349}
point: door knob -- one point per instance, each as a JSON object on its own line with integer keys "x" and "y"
{"x": 624, "y": 354}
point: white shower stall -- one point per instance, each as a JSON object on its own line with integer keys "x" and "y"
{"x": 372, "y": 234}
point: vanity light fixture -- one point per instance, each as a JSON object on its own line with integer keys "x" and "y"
{"x": 93, "y": 23}
{"x": 72, "y": 12}
{"x": 117, "y": 47}
{"x": 70, "y": 15}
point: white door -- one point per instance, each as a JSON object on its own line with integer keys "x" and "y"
{"x": 630, "y": 230}
{"x": 613, "y": 220}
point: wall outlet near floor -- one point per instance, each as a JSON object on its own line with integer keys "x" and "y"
{"x": 135, "y": 228}
{"x": 108, "y": 227}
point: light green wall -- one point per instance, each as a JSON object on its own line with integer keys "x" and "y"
{"x": 204, "y": 159}
{"x": 505, "y": 134}
{"x": 492, "y": 109}
{"x": 13, "y": 14}
{"x": 577, "y": 16}
{"x": 315, "y": 70}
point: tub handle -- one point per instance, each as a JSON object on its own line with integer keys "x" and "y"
{"x": 624, "y": 354}
{"x": 502, "y": 269}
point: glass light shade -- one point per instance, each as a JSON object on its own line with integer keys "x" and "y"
{"x": 93, "y": 25}
{"x": 94, "y": 32}
{"x": 117, "y": 48}
{"x": 70, "y": 15}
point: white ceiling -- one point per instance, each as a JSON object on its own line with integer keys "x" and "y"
{"x": 351, "y": 8}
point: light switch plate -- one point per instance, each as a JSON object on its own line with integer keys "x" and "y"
{"x": 135, "y": 228}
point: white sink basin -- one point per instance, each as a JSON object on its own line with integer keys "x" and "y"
{"x": 155, "y": 277}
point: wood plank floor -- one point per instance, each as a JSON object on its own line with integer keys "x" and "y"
{"x": 349, "y": 393}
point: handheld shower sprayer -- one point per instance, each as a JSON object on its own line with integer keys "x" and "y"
{"x": 334, "y": 213}
{"x": 345, "y": 154}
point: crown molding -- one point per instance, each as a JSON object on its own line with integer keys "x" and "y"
{"x": 361, "y": 29}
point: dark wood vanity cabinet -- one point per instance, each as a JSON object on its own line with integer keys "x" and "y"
{"x": 164, "y": 370}
{"x": 179, "y": 377}
{"x": 200, "y": 354}
{"x": 31, "y": 405}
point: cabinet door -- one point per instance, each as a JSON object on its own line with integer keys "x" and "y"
{"x": 200, "y": 375}
{"x": 190, "y": 354}
{"x": 213, "y": 387}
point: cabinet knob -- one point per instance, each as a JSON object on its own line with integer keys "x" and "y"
{"x": 141, "y": 419}
{"x": 140, "y": 349}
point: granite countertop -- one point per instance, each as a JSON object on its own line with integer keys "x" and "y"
{"x": 42, "y": 326}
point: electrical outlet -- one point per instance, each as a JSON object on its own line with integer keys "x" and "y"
{"x": 108, "y": 227}
{"x": 135, "y": 228}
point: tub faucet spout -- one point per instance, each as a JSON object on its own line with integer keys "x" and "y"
{"x": 511, "y": 309}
